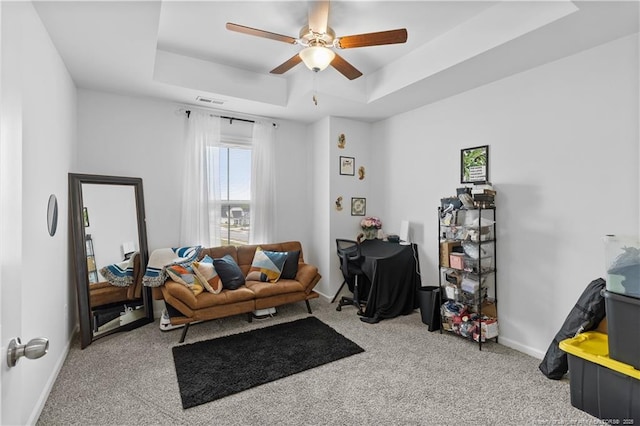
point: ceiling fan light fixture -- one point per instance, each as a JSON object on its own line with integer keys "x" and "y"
{"x": 317, "y": 58}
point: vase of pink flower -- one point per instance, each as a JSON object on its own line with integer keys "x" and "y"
{"x": 370, "y": 226}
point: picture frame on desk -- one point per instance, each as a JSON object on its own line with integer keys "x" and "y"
{"x": 474, "y": 164}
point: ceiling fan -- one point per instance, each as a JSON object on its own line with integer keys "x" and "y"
{"x": 319, "y": 41}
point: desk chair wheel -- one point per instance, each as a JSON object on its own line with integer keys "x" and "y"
{"x": 339, "y": 308}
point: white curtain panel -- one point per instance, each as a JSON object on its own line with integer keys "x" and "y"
{"x": 263, "y": 184}
{"x": 201, "y": 189}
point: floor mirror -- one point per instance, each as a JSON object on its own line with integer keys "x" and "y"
{"x": 110, "y": 253}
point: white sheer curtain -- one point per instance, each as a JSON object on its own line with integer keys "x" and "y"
{"x": 263, "y": 184}
{"x": 200, "y": 190}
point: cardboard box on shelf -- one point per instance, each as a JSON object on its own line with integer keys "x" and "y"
{"x": 446, "y": 248}
{"x": 488, "y": 330}
{"x": 456, "y": 260}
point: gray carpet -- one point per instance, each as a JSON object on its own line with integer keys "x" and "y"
{"x": 406, "y": 376}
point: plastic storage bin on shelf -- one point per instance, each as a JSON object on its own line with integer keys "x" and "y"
{"x": 623, "y": 265}
{"x": 623, "y": 327}
{"x": 599, "y": 385}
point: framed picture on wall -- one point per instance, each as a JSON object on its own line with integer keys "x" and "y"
{"x": 474, "y": 164}
{"x": 358, "y": 206}
{"x": 85, "y": 217}
{"x": 347, "y": 166}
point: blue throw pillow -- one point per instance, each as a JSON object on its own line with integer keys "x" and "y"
{"x": 229, "y": 272}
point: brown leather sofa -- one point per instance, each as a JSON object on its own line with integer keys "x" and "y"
{"x": 103, "y": 293}
{"x": 246, "y": 299}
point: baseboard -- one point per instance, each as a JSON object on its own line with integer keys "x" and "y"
{"x": 521, "y": 348}
{"x": 324, "y": 296}
{"x": 37, "y": 410}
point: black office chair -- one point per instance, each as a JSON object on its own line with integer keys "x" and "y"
{"x": 351, "y": 267}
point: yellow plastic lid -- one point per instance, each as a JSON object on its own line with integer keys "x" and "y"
{"x": 594, "y": 346}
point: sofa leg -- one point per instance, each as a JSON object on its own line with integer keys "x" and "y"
{"x": 184, "y": 332}
{"x": 308, "y": 306}
{"x": 250, "y": 317}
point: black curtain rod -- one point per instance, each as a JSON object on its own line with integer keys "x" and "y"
{"x": 188, "y": 112}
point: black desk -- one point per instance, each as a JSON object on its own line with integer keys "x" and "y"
{"x": 393, "y": 274}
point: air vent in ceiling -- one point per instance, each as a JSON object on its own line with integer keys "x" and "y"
{"x": 209, "y": 100}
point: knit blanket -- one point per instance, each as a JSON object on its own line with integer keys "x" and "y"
{"x": 156, "y": 274}
{"x": 120, "y": 274}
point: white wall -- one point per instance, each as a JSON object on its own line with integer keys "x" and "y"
{"x": 328, "y": 222}
{"x": 136, "y": 137}
{"x": 320, "y": 222}
{"x": 343, "y": 225}
{"x": 46, "y": 99}
{"x": 142, "y": 137}
{"x": 564, "y": 159}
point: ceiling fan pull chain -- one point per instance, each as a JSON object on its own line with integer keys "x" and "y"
{"x": 315, "y": 89}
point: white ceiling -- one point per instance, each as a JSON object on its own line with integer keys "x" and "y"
{"x": 179, "y": 50}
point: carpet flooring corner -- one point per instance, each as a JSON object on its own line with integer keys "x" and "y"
{"x": 216, "y": 368}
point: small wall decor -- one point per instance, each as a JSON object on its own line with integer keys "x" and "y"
{"x": 347, "y": 166}
{"x": 85, "y": 217}
{"x": 52, "y": 214}
{"x": 339, "y": 204}
{"x": 342, "y": 140}
{"x": 474, "y": 164}
{"x": 361, "y": 172}
{"x": 358, "y": 206}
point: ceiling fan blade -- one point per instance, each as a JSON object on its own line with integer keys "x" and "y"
{"x": 318, "y": 16}
{"x": 373, "y": 39}
{"x": 287, "y": 65}
{"x": 345, "y": 68}
{"x": 260, "y": 33}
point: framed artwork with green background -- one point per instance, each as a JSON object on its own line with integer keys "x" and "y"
{"x": 474, "y": 164}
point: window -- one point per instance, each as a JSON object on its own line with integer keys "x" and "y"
{"x": 235, "y": 195}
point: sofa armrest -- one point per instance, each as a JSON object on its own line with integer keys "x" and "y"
{"x": 180, "y": 292}
{"x": 307, "y": 276}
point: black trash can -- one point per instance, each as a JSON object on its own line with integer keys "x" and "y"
{"x": 429, "y": 299}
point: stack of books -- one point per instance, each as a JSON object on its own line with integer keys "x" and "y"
{"x": 483, "y": 195}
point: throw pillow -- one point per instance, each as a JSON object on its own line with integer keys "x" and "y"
{"x": 183, "y": 274}
{"x": 290, "y": 268}
{"x": 206, "y": 273}
{"x": 266, "y": 265}
{"x": 229, "y": 272}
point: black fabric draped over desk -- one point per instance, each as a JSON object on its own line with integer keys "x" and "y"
{"x": 394, "y": 279}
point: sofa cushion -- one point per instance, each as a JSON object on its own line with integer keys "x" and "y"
{"x": 262, "y": 289}
{"x": 219, "y": 252}
{"x": 229, "y": 272}
{"x": 266, "y": 265}
{"x": 290, "y": 268}
{"x": 183, "y": 274}
{"x": 207, "y": 274}
{"x": 173, "y": 291}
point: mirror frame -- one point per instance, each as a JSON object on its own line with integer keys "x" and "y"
{"x": 79, "y": 256}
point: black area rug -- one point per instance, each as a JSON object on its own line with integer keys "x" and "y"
{"x": 216, "y": 368}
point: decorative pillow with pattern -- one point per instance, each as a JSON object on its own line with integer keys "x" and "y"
{"x": 207, "y": 274}
{"x": 184, "y": 274}
{"x": 266, "y": 266}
